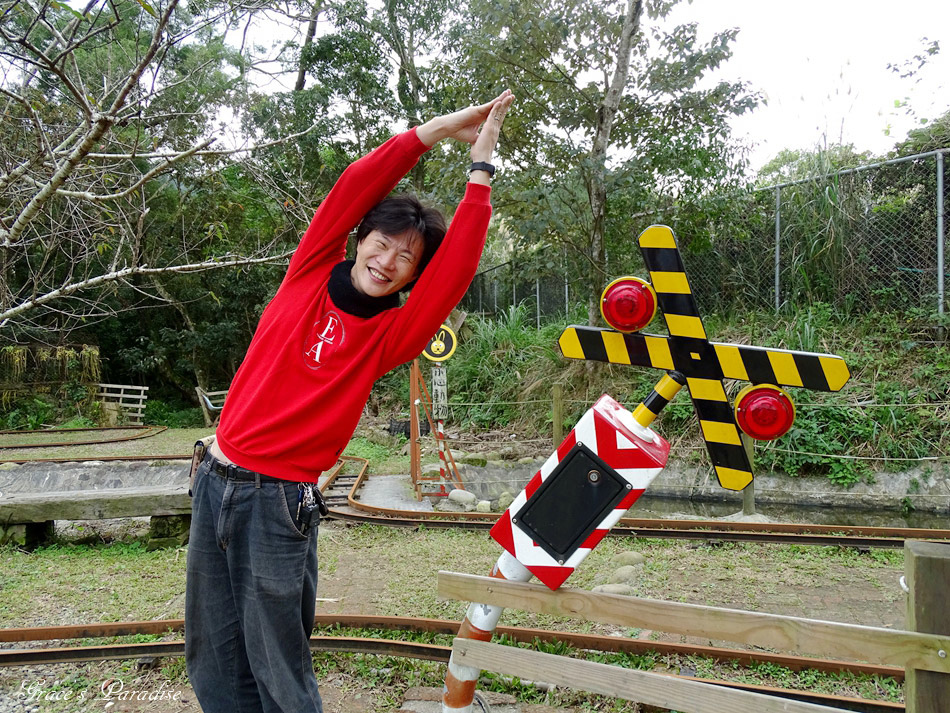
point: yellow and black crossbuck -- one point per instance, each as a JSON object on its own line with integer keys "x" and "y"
{"x": 704, "y": 364}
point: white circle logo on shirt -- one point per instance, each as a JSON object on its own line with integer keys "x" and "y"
{"x": 324, "y": 339}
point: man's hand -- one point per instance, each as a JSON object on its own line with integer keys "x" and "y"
{"x": 463, "y": 126}
{"x": 484, "y": 145}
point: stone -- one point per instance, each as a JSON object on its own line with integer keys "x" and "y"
{"x": 509, "y": 453}
{"x": 13, "y": 535}
{"x": 29, "y": 535}
{"x": 627, "y": 558}
{"x": 168, "y": 531}
{"x": 628, "y": 574}
{"x": 483, "y": 506}
{"x": 462, "y": 497}
{"x": 527, "y": 460}
{"x": 446, "y": 505}
{"x": 614, "y": 588}
{"x": 161, "y": 543}
{"x": 504, "y": 501}
{"x": 471, "y": 459}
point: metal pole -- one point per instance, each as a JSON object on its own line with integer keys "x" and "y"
{"x": 567, "y": 304}
{"x": 514, "y": 286}
{"x": 537, "y": 301}
{"x": 778, "y": 254}
{"x": 940, "y": 239}
{"x": 480, "y": 621}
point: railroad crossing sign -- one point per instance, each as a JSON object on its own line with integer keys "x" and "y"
{"x": 580, "y": 492}
{"x": 763, "y": 411}
{"x": 442, "y": 345}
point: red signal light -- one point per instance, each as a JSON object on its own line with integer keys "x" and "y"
{"x": 628, "y": 304}
{"x": 765, "y": 412}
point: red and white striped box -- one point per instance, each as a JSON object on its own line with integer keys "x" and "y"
{"x": 581, "y": 491}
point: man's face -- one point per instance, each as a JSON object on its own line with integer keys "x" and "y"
{"x": 386, "y": 263}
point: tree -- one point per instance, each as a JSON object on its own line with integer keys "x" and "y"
{"x": 107, "y": 109}
{"x": 611, "y": 103}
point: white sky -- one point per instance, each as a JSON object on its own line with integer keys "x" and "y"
{"x": 823, "y": 66}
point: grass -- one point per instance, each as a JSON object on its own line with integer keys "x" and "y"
{"x": 394, "y": 571}
{"x": 83, "y": 583}
{"x": 894, "y": 409}
{"x": 385, "y": 455}
{"x": 174, "y": 441}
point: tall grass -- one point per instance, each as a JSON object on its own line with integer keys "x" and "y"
{"x": 894, "y": 408}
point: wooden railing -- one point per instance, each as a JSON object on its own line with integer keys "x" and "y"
{"x": 127, "y": 400}
{"x": 922, "y": 651}
{"x": 211, "y": 402}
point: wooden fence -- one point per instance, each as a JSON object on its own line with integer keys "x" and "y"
{"x": 211, "y": 403}
{"x": 124, "y": 401}
{"x": 922, "y": 650}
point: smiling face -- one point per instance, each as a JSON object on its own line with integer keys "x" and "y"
{"x": 386, "y": 263}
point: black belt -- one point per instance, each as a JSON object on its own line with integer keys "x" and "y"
{"x": 236, "y": 472}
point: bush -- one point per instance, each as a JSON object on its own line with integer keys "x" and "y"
{"x": 160, "y": 413}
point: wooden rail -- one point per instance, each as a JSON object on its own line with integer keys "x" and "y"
{"x": 786, "y": 633}
{"x": 924, "y": 652}
{"x": 211, "y": 403}
{"x": 653, "y": 689}
{"x": 129, "y": 400}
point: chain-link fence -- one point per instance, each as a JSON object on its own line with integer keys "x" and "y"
{"x": 869, "y": 238}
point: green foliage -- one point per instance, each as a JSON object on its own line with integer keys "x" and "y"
{"x": 161, "y": 413}
{"x": 891, "y": 413}
{"x": 28, "y": 413}
{"x": 669, "y": 139}
{"x": 66, "y": 405}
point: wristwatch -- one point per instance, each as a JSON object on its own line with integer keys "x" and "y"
{"x": 482, "y": 166}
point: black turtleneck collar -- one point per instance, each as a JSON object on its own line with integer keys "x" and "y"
{"x": 351, "y": 300}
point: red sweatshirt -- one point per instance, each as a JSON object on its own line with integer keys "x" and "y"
{"x": 298, "y": 396}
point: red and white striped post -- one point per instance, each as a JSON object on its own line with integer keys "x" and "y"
{"x": 479, "y": 624}
{"x": 581, "y": 491}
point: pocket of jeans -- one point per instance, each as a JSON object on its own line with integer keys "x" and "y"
{"x": 289, "y": 496}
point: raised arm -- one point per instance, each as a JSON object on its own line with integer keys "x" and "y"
{"x": 475, "y": 125}
{"x": 362, "y": 185}
{"x": 449, "y": 273}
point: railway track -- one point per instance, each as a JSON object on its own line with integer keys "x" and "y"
{"x": 428, "y": 652}
{"x": 341, "y": 491}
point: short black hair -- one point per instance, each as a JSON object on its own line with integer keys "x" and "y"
{"x": 403, "y": 213}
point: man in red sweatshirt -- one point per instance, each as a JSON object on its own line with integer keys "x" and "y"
{"x": 332, "y": 329}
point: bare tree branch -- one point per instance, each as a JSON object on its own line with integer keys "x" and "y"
{"x": 120, "y": 275}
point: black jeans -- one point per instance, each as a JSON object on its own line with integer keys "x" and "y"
{"x": 250, "y": 598}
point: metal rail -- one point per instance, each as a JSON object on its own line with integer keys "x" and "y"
{"x": 422, "y": 651}
{"x": 448, "y": 627}
{"x": 712, "y": 531}
{"x": 149, "y": 431}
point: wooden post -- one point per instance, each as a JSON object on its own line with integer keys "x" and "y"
{"x": 927, "y": 575}
{"x": 557, "y": 413}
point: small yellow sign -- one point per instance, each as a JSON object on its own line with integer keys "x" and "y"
{"x": 442, "y": 345}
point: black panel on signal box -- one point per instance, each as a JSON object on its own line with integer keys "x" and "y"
{"x": 570, "y": 504}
